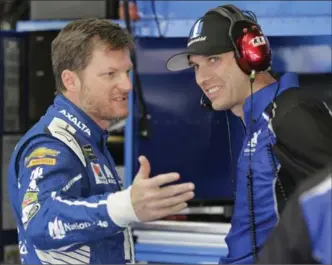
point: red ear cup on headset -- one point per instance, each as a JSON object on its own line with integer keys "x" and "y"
{"x": 251, "y": 47}
{"x": 254, "y": 51}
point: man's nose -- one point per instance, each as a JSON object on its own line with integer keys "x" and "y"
{"x": 127, "y": 84}
{"x": 202, "y": 75}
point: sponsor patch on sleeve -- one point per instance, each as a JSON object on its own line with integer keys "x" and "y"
{"x": 29, "y": 197}
{"x": 42, "y": 161}
{"x": 29, "y": 212}
{"x": 41, "y": 156}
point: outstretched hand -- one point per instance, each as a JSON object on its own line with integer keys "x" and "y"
{"x": 151, "y": 201}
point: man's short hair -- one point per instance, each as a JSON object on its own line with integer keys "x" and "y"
{"x": 73, "y": 46}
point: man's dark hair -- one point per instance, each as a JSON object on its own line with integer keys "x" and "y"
{"x": 73, "y": 46}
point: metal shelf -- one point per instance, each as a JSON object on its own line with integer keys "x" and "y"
{"x": 178, "y": 254}
{"x": 180, "y": 242}
{"x": 273, "y": 26}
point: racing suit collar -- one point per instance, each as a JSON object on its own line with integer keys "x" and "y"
{"x": 262, "y": 98}
{"x": 79, "y": 119}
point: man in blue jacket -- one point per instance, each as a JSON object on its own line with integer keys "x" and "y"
{"x": 231, "y": 59}
{"x": 66, "y": 195}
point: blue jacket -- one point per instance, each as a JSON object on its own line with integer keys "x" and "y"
{"x": 264, "y": 166}
{"x": 316, "y": 205}
{"x": 61, "y": 176}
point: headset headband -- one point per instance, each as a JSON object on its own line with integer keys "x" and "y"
{"x": 234, "y": 15}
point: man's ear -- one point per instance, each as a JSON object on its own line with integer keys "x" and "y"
{"x": 71, "y": 80}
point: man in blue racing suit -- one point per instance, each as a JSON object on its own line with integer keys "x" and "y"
{"x": 231, "y": 59}
{"x": 66, "y": 195}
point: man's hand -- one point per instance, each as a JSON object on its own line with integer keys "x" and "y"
{"x": 151, "y": 201}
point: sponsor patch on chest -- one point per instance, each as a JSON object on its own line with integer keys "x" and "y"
{"x": 252, "y": 143}
{"x": 102, "y": 174}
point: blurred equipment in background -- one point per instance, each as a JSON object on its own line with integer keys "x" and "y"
{"x": 63, "y": 9}
{"x": 132, "y": 10}
{"x": 14, "y": 10}
{"x": 128, "y": 12}
{"x": 37, "y": 76}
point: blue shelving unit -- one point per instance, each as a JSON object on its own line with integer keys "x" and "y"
{"x": 179, "y": 254}
{"x": 277, "y": 18}
{"x": 178, "y": 28}
{"x": 299, "y": 31}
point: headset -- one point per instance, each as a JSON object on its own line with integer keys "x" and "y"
{"x": 253, "y": 54}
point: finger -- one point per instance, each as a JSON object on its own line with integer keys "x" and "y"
{"x": 145, "y": 168}
{"x": 170, "y": 191}
{"x": 163, "y": 179}
{"x": 168, "y": 202}
{"x": 170, "y": 210}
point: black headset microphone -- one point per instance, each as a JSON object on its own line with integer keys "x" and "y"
{"x": 253, "y": 55}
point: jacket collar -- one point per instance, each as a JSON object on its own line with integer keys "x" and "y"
{"x": 263, "y": 97}
{"x": 84, "y": 125}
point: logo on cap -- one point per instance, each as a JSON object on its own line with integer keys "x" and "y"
{"x": 197, "y": 29}
{"x": 195, "y": 33}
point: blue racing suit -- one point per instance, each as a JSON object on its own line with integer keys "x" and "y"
{"x": 264, "y": 169}
{"x": 66, "y": 194}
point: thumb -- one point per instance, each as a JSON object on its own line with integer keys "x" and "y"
{"x": 145, "y": 168}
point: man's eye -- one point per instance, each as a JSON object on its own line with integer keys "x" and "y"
{"x": 195, "y": 67}
{"x": 110, "y": 73}
{"x": 213, "y": 59}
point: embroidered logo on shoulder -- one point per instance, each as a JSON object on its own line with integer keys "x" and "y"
{"x": 76, "y": 121}
{"x": 88, "y": 152}
{"x": 41, "y": 156}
